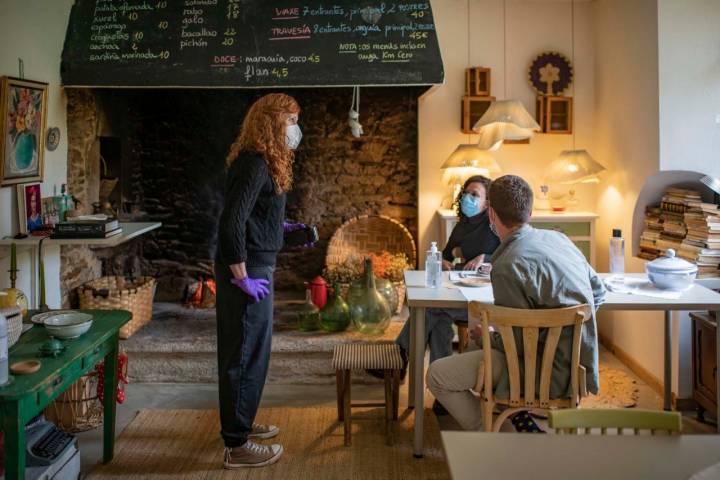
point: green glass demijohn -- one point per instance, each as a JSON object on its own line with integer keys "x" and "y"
{"x": 308, "y": 315}
{"x": 388, "y": 290}
{"x": 369, "y": 311}
{"x": 335, "y": 316}
{"x": 385, "y": 287}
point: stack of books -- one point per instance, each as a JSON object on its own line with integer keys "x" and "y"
{"x": 672, "y": 211}
{"x": 649, "y": 249}
{"x": 84, "y": 228}
{"x": 703, "y": 238}
{"x": 686, "y": 224}
{"x": 676, "y": 199}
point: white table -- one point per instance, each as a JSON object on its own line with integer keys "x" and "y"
{"x": 419, "y": 298}
{"x": 504, "y": 456}
{"x": 130, "y": 230}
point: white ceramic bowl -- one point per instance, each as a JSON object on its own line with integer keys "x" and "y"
{"x": 671, "y": 273}
{"x": 68, "y": 325}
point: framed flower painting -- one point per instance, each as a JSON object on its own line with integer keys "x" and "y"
{"x": 23, "y": 110}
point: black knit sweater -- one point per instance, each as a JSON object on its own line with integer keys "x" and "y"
{"x": 473, "y": 236}
{"x": 251, "y": 223}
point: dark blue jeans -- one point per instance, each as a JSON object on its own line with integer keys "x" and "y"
{"x": 244, "y": 332}
{"x": 438, "y": 331}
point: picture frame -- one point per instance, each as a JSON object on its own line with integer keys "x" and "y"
{"x": 29, "y": 200}
{"x": 23, "y": 115}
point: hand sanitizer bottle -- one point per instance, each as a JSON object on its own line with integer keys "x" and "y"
{"x": 617, "y": 254}
{"x": 433, "y": 267}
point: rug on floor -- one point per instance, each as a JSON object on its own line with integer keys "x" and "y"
{"x": 617, "y": 390}
{"x": 185, "y": 444}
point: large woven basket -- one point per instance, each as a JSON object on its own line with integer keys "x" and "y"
{"x": 361, "y": 236}
{"x": 117, "y": 293}
{"x": 78, "y": 408}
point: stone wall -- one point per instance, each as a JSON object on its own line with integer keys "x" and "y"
{"x": 78, "y": 264}
{"x": 175, "y": 142}
{"x": 339, "y": 177}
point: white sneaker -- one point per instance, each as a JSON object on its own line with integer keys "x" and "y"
{"x": 263, "y": 431}
{"x": 252, "y": 455}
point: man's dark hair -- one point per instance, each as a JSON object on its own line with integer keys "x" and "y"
{"x": 512, "y": 199}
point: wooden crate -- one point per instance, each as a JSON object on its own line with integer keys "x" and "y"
{"x": 473, "y": 108}
{"x": 477, "y": 81}
{"x": 554, "y": 113}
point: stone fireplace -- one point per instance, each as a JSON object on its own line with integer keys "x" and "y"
{"x": 167, "y": 149}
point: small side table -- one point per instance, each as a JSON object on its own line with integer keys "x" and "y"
{"x": 26, "y": 396}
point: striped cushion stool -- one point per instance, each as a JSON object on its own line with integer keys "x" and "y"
{"x": 363, "y": 356}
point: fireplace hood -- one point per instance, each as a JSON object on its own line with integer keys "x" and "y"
{"x": 250, "y": 44}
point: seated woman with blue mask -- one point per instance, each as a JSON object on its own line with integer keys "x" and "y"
{"x": 472, "y": 237}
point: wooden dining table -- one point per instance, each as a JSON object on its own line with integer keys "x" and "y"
{"x": 420, "y": 298}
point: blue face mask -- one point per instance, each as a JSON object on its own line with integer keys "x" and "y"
{"x": 469, "y": 205}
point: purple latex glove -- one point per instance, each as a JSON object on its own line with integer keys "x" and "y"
{"x": 257, "y": 289}
{"x": 292, "y": 227}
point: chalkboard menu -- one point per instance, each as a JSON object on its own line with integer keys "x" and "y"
{"x": 250, "y": 43}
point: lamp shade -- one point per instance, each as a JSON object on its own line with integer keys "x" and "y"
{"x": 504, "y": 120}
{"x": 713, "y": 183}
{"x": 469, "y": 155}
{"x": 573, "y": 166}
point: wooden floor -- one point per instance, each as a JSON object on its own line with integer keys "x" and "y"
{"x": 204, "y": 396}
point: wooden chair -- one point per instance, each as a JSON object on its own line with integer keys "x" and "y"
{"x": 463, "y": 338}
{"x": 363, "y": 356}
{"x": 503, "y": 319}
{"x": 582, "y": 421}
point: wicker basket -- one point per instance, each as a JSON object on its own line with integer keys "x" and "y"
{"x": 361, "y": 236}
{"x": 117, "y": 293}
{"x": 14, "y": 324}
{"x": 78, "y": 408}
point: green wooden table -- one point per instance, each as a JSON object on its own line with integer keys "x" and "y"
{"x": 27, "y": 395}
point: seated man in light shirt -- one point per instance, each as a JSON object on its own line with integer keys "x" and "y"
{"x": 532, "y": 268}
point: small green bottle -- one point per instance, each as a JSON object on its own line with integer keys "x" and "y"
{"x": 370, "y": 312}
{"x": 308, "y": 315}
{"x": 335, "y": 317}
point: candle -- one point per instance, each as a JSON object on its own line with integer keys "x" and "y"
{"x": 41, "y": 274}
{"x": 13, "y": 258}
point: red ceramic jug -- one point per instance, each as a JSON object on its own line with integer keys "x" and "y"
{"x": 318, "y": 291}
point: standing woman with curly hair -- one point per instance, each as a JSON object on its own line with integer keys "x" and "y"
{"x": 252, "y": 223}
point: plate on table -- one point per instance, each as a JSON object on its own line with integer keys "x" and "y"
{"x": 470, "y": 279}
{"x": 40, "y": 318}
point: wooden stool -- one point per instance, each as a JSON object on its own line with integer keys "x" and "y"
{"x": 361, "y": 356}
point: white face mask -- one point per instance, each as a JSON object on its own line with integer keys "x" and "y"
{"x": 293, "y": 135}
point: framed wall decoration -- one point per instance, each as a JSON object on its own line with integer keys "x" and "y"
{"x": 22, "y": 145}
{"x": 29, "y": 207}
{"x": 52, "y": 138}
{"x": 550, "y": 73}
